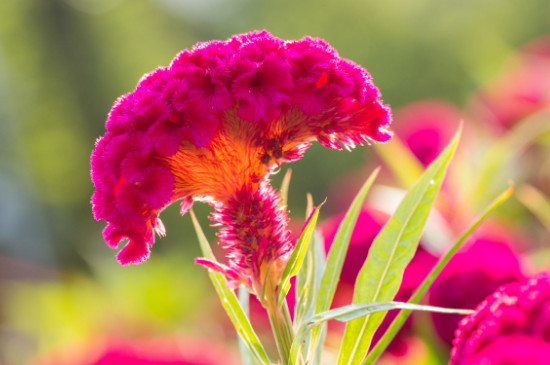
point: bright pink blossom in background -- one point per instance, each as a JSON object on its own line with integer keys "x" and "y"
{"x": 486, "y": 262}
{"x": 426, "y": 127}
{"x": 522, "y": 89}
{"x": 212, "y": 126}
{"x": 510, "y": 327}
{"x": 369, "y": 224}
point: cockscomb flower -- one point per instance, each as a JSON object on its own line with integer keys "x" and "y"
{"x": 511, "y": 326}
{"x": 212, "y": 126}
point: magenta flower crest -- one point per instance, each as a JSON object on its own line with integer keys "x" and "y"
{"x": 213, "y": 125}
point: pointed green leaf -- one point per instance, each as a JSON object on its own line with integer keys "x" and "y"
{"x": 337, "y": 253}
{"x": 391, "y": 251}
{"x": 400, "y": 319}
{"x": 230, "y": 302}
{"x": 354, "y": 311}
{"x": 297, "y": 258}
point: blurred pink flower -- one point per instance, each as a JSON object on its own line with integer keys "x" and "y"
{"x": 212, "y": 126}
{"x": 486, "y": 262}
{"x": 522, "y": 89}
{"x": 118, "y": 351}
{"x": 368, "y": 226}
{"x": 426, "y": 127}
{"x": 510, "y": 327}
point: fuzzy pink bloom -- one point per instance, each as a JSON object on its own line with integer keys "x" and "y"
{"x": 213, "y": 125}
{"x": 483, "y": 265}
{"x": 426, "y": 127}
{"x": 369, "y": 224}
{"x": 522, "y": 89}
{"x": 510, "y": 327}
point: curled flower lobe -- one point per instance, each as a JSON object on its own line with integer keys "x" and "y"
{"x": 213, "y": 125}
{"x": 511, "y": 326}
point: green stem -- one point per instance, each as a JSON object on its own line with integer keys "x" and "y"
{"x": 281, "y": 324}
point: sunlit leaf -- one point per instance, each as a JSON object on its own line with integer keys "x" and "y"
{"x": 336, "y": 255}
{"x": 400, "y": 319}
{"x": 390, "y": 253}
{"x": 297, "y": 258}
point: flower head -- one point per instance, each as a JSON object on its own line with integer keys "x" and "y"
{"x": 511, "y": 326}
{"x": 214, "y": 124}
{"x": 476, "y": 271}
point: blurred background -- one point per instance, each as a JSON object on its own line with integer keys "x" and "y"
{"x": 64, "y": 62}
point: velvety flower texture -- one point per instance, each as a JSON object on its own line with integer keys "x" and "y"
{"x": 483, "y": 265}
{"x": 212, "y": 126}
{"x": 510, "y": 327}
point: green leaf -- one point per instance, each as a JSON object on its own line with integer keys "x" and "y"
{"x": 354, "y": 311}
{"x": 391, "y": 251}
{"x": 297, "y": 258}
{"x": 307, "y": 287}
{"x": 400, "y": 319}
{"x": 284, "y": 188}
{"x": 404, "y": 165}
{"x": 230, "y": 302}
{"x": 337, "y": 253}
{"x": 505, "y": 149}
{"x": 536, "y": 202}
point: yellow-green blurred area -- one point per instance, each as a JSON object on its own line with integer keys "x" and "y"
{"x": 64, "y": 62}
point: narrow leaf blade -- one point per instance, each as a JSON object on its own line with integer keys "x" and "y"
{"x": 391, "y": 251}
{"x": 337, "y": 253}
{"x": 297, "y": 258}
{"x": 400, "y": 319}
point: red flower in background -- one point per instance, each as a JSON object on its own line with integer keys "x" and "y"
{"x": 478, "y": 269}
{"x": 523, "y": 89}
{"x": 426, "y": 127}
{"x": 510, "y": 327}
{"x": 212, "y": 126}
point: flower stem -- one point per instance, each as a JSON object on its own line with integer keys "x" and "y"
{"x": 281, "y": 324}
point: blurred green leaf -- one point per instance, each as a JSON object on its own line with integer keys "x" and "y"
{"x": 230, "y": 302}
{"x": 284, "y": 188}
{"x": 391, "y": 251}
{"x": 536, "y": 202}
{"x": 404, "y": 165}
{"x": 505, "y": 149}
{"x": 400, "y": 319}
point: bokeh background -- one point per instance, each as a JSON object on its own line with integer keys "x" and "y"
{"x": 64, "y": 62}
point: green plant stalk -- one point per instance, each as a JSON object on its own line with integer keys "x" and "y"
{"x": 423, "y": 288}
{"x": 280, "y": 320}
